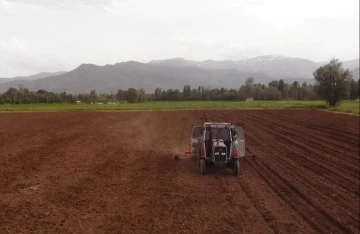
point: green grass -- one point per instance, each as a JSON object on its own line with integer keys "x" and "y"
{"x": 347, "y": 106}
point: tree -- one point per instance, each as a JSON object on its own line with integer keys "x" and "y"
{"x": 157, "y": 94}
{"x": 274, "y": 83}
{"x": 281, "y": 86}
{"x": 41, "y": 91}
{"x": 333, "y": 81}
{"x": 249, "y": 81}
{"x": 141, "y": 95}
{"x": 187, "y": 92}
{"x": 131, "y": 95}
{"x": 11, "y": 91}
{"x": 249, "y": 84}
{"x": 353, "y": 89}
{"x": 93, "y": 95}
{"x": 295, "y": 84}
{"x": 120, "y": 95}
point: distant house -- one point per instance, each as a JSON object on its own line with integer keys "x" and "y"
{"x": 77, "y": 102}
{"x": 249, "y": 99}
{"x": 112, "y": 100}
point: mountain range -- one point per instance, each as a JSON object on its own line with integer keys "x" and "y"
{"x": 174, "y": 73}
{"x": 32, "y": 77}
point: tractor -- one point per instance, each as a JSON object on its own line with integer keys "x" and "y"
{"x": 217, "y": 144}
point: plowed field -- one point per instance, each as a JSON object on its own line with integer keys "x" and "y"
{"x": 114, "y": 172}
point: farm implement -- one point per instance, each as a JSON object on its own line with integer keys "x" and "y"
{"x": 217, "y": 144}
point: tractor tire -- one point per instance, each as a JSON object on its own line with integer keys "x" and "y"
{"x": 236, "y": 168}
{"x": 202, "y": 167}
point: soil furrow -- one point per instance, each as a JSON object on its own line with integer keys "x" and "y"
{"x": 111, "y": 172}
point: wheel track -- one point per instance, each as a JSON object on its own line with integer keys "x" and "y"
{"x": 342, "y": 181}
{"x": 320, "y": 119}
{"x": 304, "y": 182}
{"x": 302, "y": 206}
{"x": 217, "y": 118}
{"x": 313, "y": 182}
{"x": 341, "y": 135}
{"x": 339, "y": 224}
{"x": 122, "y": 178}
{"x": 303, "y": 212}
{"x": 318, "y": 140}
{"x": 267, "y": 214}
{"x": 297, "y": 130}
{"x": 269, "y": 128}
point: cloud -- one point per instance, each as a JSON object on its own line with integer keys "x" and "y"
{"x": 68, "y": 3}
{"x": 107, "y": 6}
{"x": 16, "y": 59}
{"x": 4, "y": 5}
{"x": 202, "y": 48}
{"x": 39, "y": 35}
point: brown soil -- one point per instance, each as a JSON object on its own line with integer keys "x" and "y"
{"x": 114, "y": 172}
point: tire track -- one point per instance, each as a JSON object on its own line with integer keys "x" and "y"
{"x": 303, "y": 176}
{"x": 227, "y": 185}
{"x": 343, "y": 181}
{"x": 339, "y": 224}
{"x": 271, "y": 211}
{"x": 296, "y": 131}
{"x": 303, "y": 183}
{"x": 115, "y": 171}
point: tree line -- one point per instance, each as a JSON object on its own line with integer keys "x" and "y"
{"x": 275, "y": 90}
{"x": 333, "y": 83}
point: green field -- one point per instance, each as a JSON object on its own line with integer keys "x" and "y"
{"x": 346, "y": 106}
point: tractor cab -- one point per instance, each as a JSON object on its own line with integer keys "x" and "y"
{"x": 217, "y": 132}
{"x": 219, "y": 144}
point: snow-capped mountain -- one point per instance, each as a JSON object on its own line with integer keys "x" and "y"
{"x": 276, "y": 66}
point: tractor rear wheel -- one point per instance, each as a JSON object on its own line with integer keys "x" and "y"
{"x": 236, "y": 168}
{"x": 202, "y": 167}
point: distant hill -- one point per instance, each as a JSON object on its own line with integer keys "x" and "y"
{"x": 275, "y": 66}
{"x": 351, "y": 64}
{"x": 105, "y": 79}
{"x": 355, "y": 73}
{"x": 173, "y": 73}
{"x": 32, "y": 77}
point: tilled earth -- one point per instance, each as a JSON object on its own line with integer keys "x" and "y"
{"x": 114, "y": 172}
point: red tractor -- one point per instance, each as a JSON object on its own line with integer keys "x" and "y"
{"x": 218, "y": 144}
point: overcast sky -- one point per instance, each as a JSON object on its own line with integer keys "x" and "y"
{"x": 50, "y": 35}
